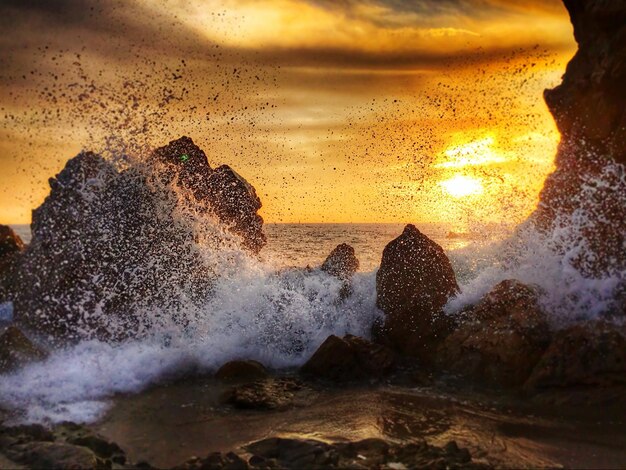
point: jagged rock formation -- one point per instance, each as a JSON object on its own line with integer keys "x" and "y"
{"x": 587, "y": 189}
{"x": 414, "y": 282}
{"x": 228, "y": 195}
{"x": 108, "y": 243}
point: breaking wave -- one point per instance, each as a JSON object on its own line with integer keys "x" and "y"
{"x": 247, "y": 308}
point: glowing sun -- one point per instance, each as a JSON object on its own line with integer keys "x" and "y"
{"x": 461, "y": 186}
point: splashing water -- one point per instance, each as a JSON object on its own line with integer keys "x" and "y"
{"x": 194, "y": 300}
{"x": 222, "y": 303}
{"x": 560, "y": 260}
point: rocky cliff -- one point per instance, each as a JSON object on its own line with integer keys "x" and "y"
{"x": 586, "y": 192}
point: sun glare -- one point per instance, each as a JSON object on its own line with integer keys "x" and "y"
{"x": 478, "y": 152}
{"x": 462, "y": 186}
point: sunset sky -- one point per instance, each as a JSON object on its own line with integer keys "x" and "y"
{"x": 336, "y": 111}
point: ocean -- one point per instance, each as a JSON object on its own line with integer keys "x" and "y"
{"x": 301, "y": 245}
{"x": 279, "y": 317}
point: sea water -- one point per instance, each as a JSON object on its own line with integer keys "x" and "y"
{"x": 261, "y": 309}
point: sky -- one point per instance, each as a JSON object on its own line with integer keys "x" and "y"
{"x": 335, "y": 110}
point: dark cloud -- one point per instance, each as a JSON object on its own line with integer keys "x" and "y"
{"x": 425, "y": 12}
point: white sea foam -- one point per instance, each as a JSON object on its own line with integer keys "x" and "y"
{"x": 277, "y": 319}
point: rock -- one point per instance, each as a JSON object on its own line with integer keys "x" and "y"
{"x": 11, "y": 246}
{"x": 107, "y": 244}
{"x": 216, "y": 461}
{"x": 10, "y": 242}
{"x": 589, "y": 107}
{"x": 499, "y": 340}
{"x": 414, "y": 282}
{"x": 236, "y": 204}
{"x": 242, "y": 371}
{"x": 16, "y": 350}
{"x": 341, "y": 262}
{"x": 366, "y": 454}
{"x": 591, "y": 354}
{"x": 349, "y": 358}
{"x": 230, "y": 197}
{"x": 47, "y": 455}
{"x": 68, "y": 445}
{"x": 269, "y": 394}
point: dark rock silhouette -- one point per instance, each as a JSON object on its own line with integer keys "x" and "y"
{"x": 349, "y": 358}
{"x": 589, "y": 107}
{"x": 222, "y": 190}
{"x": 341, "y": 262}
{"x": 106, "y": 244}
{"x": 11, "y": 246}
{"x": 499, "y": 340}
{"x": 414, "y": 282}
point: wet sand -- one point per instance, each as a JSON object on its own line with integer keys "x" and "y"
{"x": 168, "y": 424}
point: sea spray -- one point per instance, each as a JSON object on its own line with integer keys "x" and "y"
{"x": 560, "y": 259}
{"x": 276, "y": 318}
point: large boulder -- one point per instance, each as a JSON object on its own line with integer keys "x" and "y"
{"x": 499, "y": 340}
{"x": 16, "y": 350}
{"x": 585, "y": 355}
{"x": 586, "y": 193}
{"x": 349, "y": 358}
{"x": 414, "y": 282}
{"x": 110, "y": 243}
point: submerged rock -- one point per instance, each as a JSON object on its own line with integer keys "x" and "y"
{"x": 350, "y": 358}
{"x": 16, "y": 350}
{"x": 242, "y": 371}
{"x": 499, "y": 340}
{"x": 586, "y": 355}
{"x": 268, "y": 394}
{"x": 414, "y": 282}
{"x": 585, "y": 194}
